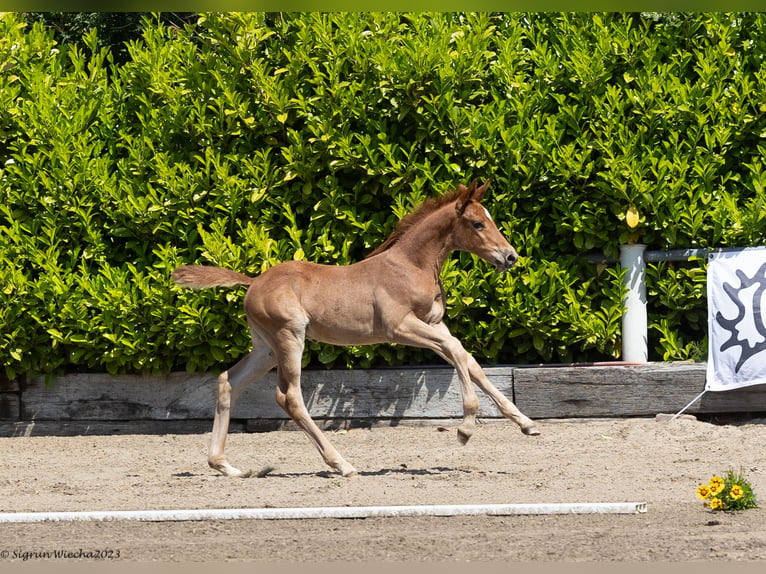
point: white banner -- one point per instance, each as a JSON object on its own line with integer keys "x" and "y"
{"x": 736, "y": 292}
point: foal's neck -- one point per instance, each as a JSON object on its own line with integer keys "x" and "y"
{"x": 429, "y": 242}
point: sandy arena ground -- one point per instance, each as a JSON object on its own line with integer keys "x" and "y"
{"x": 631, "y": 460}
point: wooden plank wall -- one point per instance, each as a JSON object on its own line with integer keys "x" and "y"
{"x": 10, "y": 400}
{"x": 180, "y": 402}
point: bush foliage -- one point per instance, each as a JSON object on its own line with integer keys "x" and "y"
{"x": 244, "y": 140}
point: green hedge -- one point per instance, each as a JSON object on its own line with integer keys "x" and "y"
{"x": 249, "y": 139}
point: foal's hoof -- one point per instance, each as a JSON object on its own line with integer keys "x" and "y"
{"x": 346, "y": 470}
{"x": 463, "y": 435}
{"x": 530, "y": 429}
{"x": 227, "y": 470}
{"x": 236, "y": 473}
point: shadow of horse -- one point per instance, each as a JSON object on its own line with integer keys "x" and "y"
{"x": 400, "y": 471}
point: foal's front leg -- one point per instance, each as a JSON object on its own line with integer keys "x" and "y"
{"x": 412, "y": 331}
{"x": 437, "y": 337}
{"x": 506, "y": 407}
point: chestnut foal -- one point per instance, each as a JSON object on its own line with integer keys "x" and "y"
{"x": 394, "y": 296}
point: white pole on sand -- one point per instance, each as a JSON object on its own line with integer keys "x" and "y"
{"x": 327, "y": 512}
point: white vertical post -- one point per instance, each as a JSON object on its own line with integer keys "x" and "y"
{"x": 634, "y": 322}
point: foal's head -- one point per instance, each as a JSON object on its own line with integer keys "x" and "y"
{"x": 476, "y": 232}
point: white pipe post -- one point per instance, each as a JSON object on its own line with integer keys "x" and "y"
{"x": 634, "y": 322}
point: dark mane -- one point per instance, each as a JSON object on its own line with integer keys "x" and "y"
{"x": 421, "y": 212}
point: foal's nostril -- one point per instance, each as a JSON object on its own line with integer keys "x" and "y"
{"x": 505, "y": 259}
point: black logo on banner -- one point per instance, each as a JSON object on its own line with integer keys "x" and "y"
{"x": 743, "y": 309}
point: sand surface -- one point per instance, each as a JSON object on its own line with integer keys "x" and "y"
{"x": 628, "y": 460}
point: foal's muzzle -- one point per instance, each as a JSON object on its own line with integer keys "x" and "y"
{"x": 505, "y": 259}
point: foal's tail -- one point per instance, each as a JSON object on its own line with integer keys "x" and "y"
{"x": 202, "y": 277}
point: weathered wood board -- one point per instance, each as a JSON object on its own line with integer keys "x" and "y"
{"x": 622, "y": 391}
{"x": 10, "y": 399}
{"x": 95, "y": 403}
{"x": 747, "y": 400}
{"x": 376, "y": 393}
{"x": 607, "y": 391}
{"x": 99, "y": 397}
{"x": 87, "y": 427}
{"x": 10, "y": 406}
{"x": 8, "y": 386}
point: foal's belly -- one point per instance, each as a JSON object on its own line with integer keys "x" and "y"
{"x": 345, "y": 319}
{"x": 342, "y": 335}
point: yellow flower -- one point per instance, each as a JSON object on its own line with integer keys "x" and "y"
{"x": 716, "y": 503}
{"x": 703, "y": 492}
{"x": 716, "y": 485}
{"x": 736, "y": 492}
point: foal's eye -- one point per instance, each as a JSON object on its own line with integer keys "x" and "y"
{"x": 478, "y": 225}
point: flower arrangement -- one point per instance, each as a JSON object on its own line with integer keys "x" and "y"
{"x": 730, "y": 493}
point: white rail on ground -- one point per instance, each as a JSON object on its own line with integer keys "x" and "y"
{"x": 327, "y": 512}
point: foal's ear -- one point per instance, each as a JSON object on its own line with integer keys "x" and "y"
{"x": 479, "y": 193}
{"x": 464, "y": 196}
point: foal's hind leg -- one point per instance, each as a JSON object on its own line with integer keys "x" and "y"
{"x": 288, "y": 346}
{"x": 231, "y": 383}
